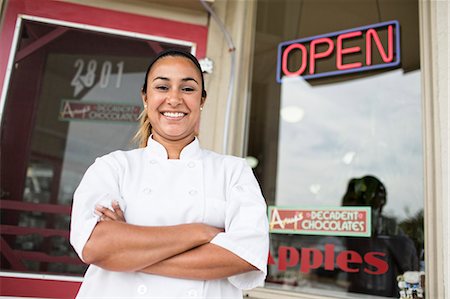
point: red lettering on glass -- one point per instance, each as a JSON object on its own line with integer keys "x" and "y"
{"x": 380, "y": 265}
{"x": 346, "y": 257}
{"x": 283, "y": 262}
{"x": 270, "y": 260}
{"x": 311, "y": 259}
{"x": 329, "y": 257}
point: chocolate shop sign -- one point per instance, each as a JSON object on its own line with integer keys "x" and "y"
{"x": 96, "y": 111}
{"x": 338, "y": 221}
{"x": 349, "y": 50}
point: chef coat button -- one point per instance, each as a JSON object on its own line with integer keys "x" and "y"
{"x": 153, "y": 162}
{"x": 192, "y": 293}
{"x": 141, "y": 289}
{"x": 193, "y": 192}
{"x": 191, "y": 164}
{"x": 147, "y": 190}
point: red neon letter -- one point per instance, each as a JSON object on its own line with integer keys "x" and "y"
{"x": 386, "y": 57}
{"x": 313, "y": 56}
{"x": 346, "y": 257}
{"x": 340, "y": 51}
{"x": 282, "y": 257}
{"x": 306, "y": 263}
{"x": 380, "y": 265}
{"x": 284, "y": 61}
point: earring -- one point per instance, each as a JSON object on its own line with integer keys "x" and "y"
{"x": 201, "y": 108}
{"x": 145, "y": 105}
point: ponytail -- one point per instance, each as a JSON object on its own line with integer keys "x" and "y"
{"x": 144, "y": 131}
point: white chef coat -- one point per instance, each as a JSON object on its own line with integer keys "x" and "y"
{"x": 200, "y": 187}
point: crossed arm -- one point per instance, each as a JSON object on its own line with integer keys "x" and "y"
{"x": 181, "y": 251}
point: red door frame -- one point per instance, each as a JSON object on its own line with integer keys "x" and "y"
{"x": 51, "y": 287}
{"x": 76, "y": 13}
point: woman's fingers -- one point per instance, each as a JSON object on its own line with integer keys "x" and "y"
{"x": 98, "y": 211}
{"x": 118, "y": 211}
{"x": 107, "y": 214}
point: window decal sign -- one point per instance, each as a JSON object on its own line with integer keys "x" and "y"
{"x": 96, "y": 111}
{"x": 338, "y": 221}
{"x": 340, "y": 46}
{"x": 329, "y": 258}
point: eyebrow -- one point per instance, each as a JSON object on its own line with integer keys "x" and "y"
{"x": 184, "y": 79}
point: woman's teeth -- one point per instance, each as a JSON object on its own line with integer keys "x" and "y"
{"x": 173, "y": 114}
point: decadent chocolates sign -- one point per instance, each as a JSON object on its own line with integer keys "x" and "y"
{"x": 93, "y": 111}
{"x": 338, "y": 221}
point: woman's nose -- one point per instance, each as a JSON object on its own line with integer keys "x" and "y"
{"x": 174, "y": 98}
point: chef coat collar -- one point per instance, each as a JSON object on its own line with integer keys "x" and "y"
{"x": 157, "y": 150}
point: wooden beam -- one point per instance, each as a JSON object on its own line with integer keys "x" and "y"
{"x": 39, "y": 43}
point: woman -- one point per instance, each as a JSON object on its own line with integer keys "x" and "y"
{"x": 196, "y": 222}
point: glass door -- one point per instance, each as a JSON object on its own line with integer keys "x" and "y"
{"x": 73, "y": 95}
{"x": 340, "y": 154}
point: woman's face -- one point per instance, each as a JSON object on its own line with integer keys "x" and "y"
{"x": 173, "y": 98}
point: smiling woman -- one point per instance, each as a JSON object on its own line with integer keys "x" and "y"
{"x": 172, "y": 91}
{"x": 170, "y": 213}
{"x": 172, "y": 99}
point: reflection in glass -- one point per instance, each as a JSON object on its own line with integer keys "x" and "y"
{"x": 387, "y": 237}
{"x": 349, "y": 130}
{"x": 369, "y": 125}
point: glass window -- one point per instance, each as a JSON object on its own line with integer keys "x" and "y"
{"x": 74, "y": 95}
{"x": 350, "y": 141}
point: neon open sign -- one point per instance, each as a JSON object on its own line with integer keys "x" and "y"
{"x": 336, "y": 44}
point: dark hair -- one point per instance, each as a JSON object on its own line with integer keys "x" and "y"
{"x": 365, "y": 191}
{"x": 175, "y": 53}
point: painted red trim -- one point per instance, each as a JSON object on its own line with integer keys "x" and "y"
{"x": 35, "y": 207}
{"x": 38, "y": 288}
{"x": 11, "y": 257}
{"x": 77, "y": 13}
{"x": 45, "y": 258}
{"x": 22, "y": 230}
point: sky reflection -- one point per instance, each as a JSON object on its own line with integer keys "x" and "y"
{"x": 351, "y": 129}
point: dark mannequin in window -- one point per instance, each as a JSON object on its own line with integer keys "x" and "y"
{"x": 387, "y": 237}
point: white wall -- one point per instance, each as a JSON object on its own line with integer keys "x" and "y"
{"x": 435, "y": 67}
{"x": 443, "y": 32}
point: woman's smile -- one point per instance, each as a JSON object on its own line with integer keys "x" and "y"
{"x": 173, "y": 115}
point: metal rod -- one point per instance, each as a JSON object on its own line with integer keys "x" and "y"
{"x": 232, "y": 51}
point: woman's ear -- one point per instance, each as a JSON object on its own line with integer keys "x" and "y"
{"x": 202, "y": 101}
{"x": 144, "y": 98}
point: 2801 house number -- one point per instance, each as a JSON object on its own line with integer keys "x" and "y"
{"x": 86, "y": 74}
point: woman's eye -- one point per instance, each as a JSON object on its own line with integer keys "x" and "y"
{"x": 163, "y": 88}
{"x": 188, "y": 89}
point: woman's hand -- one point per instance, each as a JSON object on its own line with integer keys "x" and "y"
{"x": 211, "y": 231}
{"x": 106, "y": 214}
